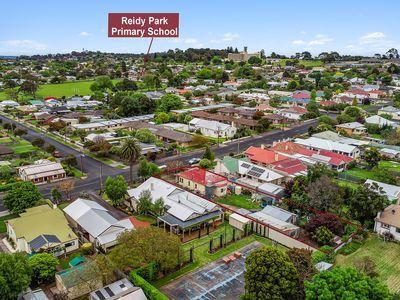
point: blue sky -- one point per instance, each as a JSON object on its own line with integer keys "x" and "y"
{"x": 284, "y": 26}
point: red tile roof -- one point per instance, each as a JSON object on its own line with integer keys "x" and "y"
{"x": 289, "y": 166}
{"x": 202, "y": 176}
{"x": 292, "y": 148}
{"x": 264, "y": 107}
{"x": 336, "y": 158}
{"x": 327, "y": 103}
{"x": 263, "y": 155}
{"x": 300, "y": 95}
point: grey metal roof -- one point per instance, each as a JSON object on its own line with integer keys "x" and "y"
{"x": 170, "y": 219}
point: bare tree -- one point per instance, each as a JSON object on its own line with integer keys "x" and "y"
{"x": 66, "y": 187}
{"x": 324, "y": 194}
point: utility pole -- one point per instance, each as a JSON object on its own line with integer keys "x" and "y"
{"x": 101, "y": 178}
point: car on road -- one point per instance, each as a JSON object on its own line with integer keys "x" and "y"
{"x": 57, "y": 154}
{"x": 194, "y": 160}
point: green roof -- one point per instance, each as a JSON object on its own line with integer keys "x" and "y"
{"x": 42, "y": 220}
{"x": 76, "y": 261}
{"x": 232, "y": 164}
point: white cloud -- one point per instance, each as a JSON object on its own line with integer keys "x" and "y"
{"x": 298, "y": 42}
{"x": 320, "y": 40}
{"x": 230, "y": 36}
{"x": 374, "y": 42}
{"x": 303, "y": 32}
{"x": 84, "y": 33}
{"x": 372, "y": 38}
{"x": 190, "y": 41}
{"x": 25, "y": 45}
{"x": 227, "y": 37}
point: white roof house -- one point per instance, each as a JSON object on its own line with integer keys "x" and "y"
{"x": 286, "y": 227}
{"x": 390, "y": 190}
{"x": 212, "y": 128}
{"x": 10, "y": 103}
{"x": 111, "y": 124}
{"x": 41, "y": 171}
{"x": 256, "y": 175}
{"x": 122, "y": 290}
{"x": 182, "y": 207}
{"x": 378, "y": 120}
{"x": 97, "y": 221}
{"x": 317, "y": 143}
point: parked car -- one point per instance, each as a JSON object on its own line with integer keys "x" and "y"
{"x": 57, "y": 154}
{"x": 194, "y": 160}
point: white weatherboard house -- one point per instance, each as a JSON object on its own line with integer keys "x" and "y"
{"x": 380, "y": 121}
{"x": 390, "y": 190}
{"x": 314, "y": 143}
{"x": 212, "y": 128}
{"x": 184, "y": 211}
{"x": 95, "y": 224}
{"x": 388, "y": 221}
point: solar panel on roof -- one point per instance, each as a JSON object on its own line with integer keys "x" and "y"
{"x": 37, "y": 243}
{"x": 100, "y": 295}
{"x": 256, "y": 169}
{"x": 51, "y": 238}
{"x": 109, "y": 291}
{"x": 245, "y": 165}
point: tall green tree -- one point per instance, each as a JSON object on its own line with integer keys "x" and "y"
{"x": 208, "y": 154}
{"x": 147, "y": 245}
{"x": 116, "y": 189}
{"x": 345, "y": 283}
{"x": 270, "y": 274}
{"x": 144, "y": 204}
{"x": 147, "y": 169}
{"x": 366, "y": 202}
{"x": 169, "y": 102}
{"x": 20, "y": 196}
{"x": 56, "y": 194}
{"x": 15, "y": 275}
{"x": 301, "y": 258}
{"x": 372, "y": 156}
{"x": 102, "y": 83}
{"x": 130, "y": 151}
{"x": 43, "y": 266}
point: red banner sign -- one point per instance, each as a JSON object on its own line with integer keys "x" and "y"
{"x": 143, "y": 25}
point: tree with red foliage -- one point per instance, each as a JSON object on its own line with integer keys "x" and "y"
{"x": 328, "y": 220}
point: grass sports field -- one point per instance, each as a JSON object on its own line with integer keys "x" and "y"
{"x": 386, "y": 257}
{"x": 66, "y": 89}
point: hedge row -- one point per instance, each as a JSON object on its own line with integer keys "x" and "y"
{"x": 150, "y": 291}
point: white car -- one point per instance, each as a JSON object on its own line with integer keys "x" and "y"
{"x": 194, "y": 160}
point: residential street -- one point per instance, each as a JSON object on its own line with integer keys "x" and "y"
{"x": 92, "y": 166}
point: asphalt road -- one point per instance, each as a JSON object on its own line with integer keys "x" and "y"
{"x": 92, "y": 166}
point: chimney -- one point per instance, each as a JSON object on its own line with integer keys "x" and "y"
{"x": 152, "y": 186}
{"x": 276, "y": 156}
{"x": 286, "y": 146}
{"x": 262, "y": 146}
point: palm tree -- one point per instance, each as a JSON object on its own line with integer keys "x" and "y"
{"x": 130, "y": 151}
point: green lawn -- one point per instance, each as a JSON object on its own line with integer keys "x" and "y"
{"x": 63, "y": 205}
{"x": 66, "y": 89}
{"x": 241, "y": 201}
{"x": 378, "y": 175}
{"x": 3, "y": 227}
{"x": 386, "y": 257}
{"x": 150, "y": 219}
{"x": 5, "y": 140}
{"x": 347, "y": 184}
{"x": 390, "y": 165}
{"x": 64, "y": 262}
{"x": 22, "y": 146}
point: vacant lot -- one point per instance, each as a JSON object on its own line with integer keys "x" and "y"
{"x": 242, "y": 201}
{"x": 390, "y": 165}
{"x": 386, "y": 257}
{"x": 22, "y": 146}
